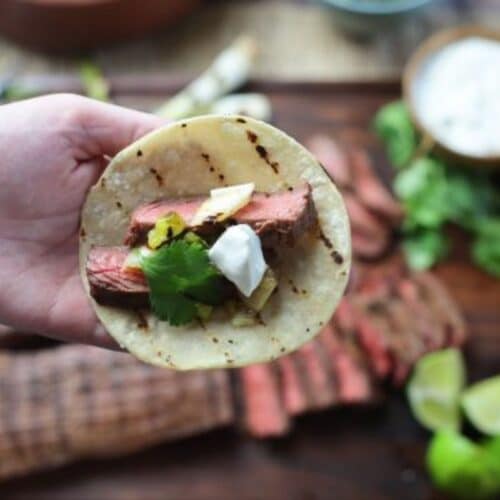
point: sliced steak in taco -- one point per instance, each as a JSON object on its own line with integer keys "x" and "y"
{"x": 218, "y": 241}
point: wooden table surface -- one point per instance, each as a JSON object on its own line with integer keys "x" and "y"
{"x": 350, "y": 453}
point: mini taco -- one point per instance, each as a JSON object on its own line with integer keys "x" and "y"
{"x": 218, "y": 241}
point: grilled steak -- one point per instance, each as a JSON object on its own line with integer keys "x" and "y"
{"x": 110, "y": 284}
{"x": 277, "y": 218}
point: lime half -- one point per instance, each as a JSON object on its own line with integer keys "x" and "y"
{"x": 481, "y": 403}
{"x": 434, "y": 389}
{"x": 462, "y": 468}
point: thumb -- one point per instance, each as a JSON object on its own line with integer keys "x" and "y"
{"x": 109, "y": 128}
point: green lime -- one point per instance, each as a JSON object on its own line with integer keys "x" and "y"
{"x": 462, "y": 468}
{"x": 434, "y": 389}
{"x": 481, "y": 403}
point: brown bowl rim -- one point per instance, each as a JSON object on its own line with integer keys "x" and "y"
{"x": 425, "y": 50}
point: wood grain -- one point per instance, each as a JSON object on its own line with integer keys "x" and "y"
{"x": 356, "y": 453}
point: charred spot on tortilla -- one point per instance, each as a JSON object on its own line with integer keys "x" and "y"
{"x": 82, "y": 232}
{"x": 283, "y": 213}
{"x": 252, "y": 136}
{"x": 337, "y": 257}
{"x": 262, "y": 151}
{"x": 325, "y": 239}
{"x": 293, "y": 286}
{"x": 158, "y": 177}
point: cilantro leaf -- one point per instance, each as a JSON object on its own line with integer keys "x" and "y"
{"x": 179, "y": 276}
{"x": 173, "y": 307}
{"x": 424, "y": 248}
{"x": 394, "y": 126}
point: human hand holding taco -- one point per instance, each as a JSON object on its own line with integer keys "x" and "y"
{"x": 53, "y": 149}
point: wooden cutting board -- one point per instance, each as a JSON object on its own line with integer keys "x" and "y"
{"x": 351, "y": 453}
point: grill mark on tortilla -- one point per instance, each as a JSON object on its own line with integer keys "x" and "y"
{"x": 82, "y": 232}
{"x": 252, "y": 136}
{"x": 221, "y": 177}
{"x": 290, "y": 188}
{"x": 139, "y": 152}
{"x": 293, "y": 286}
{"x": 118, "y": 204}
{"x": 240, "y": 120}
{"x": 324, "y": 239}
{"x": 184, "y": 125}
{"x": 158, "y": 177}
{"x": 337, "y": 258}
{"x": 103, "y": 183}
{"x": 205, "y": 156}
{"x": 262, "y": 152}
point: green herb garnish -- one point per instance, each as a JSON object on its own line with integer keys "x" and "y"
{"x": 180, "y": 276}
{"x": 435, "y": 193}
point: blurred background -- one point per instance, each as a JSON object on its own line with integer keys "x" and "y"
{"x": 332, "y": 420}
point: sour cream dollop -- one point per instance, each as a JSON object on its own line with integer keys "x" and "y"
{"x": 457, "y": 96}
{"x": 238, "y": 256}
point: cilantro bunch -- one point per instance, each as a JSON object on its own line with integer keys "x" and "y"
{"x": 435, "y": 193}
{"x": 181, "y": 278}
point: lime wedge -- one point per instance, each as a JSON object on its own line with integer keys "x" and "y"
{"x": 481, "y": 403}
{"x": 462, "y": 468}
{"x": 434, "y": 389}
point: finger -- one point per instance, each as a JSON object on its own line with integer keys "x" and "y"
{"x": 107, "y": 128}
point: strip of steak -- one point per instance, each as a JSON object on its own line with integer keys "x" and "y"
{"x": 293, "y": 392}
{"x": 110, "y": 284}
{"x": 265, "y": 415}
{"x": 277, "y": 218}
{"x": 434, "y": 293}
{"x": 354, "y": 385}
{"x": 317, "y": 373}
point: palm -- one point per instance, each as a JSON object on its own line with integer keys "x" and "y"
{"x": 47, "y": 180}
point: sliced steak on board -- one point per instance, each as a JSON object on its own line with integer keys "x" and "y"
{"x": 277, "y": 218}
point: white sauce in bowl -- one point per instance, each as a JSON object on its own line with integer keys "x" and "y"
{"x": 457, "y": 96}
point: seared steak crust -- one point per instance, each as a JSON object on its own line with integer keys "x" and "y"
{"x": 276, "y": 218}
{"x": 110, "y": 284}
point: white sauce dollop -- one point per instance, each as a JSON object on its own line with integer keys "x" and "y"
{"x": 457, "y": 96}
{"x": 238, "y": 256}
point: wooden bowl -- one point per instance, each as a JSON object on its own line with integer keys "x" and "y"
{"x": 411, "y": 74}
{"x": 64, "y": 26}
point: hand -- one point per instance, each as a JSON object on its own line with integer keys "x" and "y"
{"x": 52, "y": 150}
